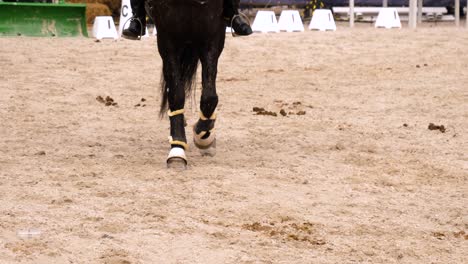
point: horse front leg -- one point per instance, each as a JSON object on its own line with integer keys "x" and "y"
{"x": 176, "y": 99}
{"x": 204, "y": 135}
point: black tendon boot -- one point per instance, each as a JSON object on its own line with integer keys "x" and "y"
{"x": 231, "y": 14}
{"x": 137, "y": 26}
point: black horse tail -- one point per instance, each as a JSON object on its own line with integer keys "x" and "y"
{"x": 188, "y": 65}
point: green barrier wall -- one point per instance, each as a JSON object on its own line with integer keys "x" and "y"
{"x": 42, "y": 20}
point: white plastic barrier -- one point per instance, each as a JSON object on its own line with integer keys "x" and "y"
{"x": 104, "y": 27}
{"x": 322, "y": 20}
{"x": 388, "y": 18}
{"x": 265, "y": 21}
{"x": 290, "y": 21}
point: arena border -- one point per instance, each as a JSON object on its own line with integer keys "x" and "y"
{"x": 43, "y": 19}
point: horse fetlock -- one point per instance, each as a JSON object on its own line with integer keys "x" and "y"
{"x": 204, "y": 125}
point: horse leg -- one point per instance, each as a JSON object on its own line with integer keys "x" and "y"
{"x": 204, "y": 135}
{"x": 176, "y": 99}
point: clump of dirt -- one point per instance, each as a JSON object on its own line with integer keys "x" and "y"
{"x": 258, "y": 109}
{"x": 142, "y": 100}
{"x": 461, "y": 234}
{"x": 297, "y": 113}
{"x": 438, "y": 235}
{"x": 294, "y": 108}
{"x": 441, "y": 128}
{"x": 269, "y": 113}
{"x": 256, "y": 227}
{"x": 443, "y": 235}
{"x": 283, "y": 108}
{"x": 108, "y": 101}
{"x": 100, "y": 99}
{"x": 288, "y": 231}
{"x": 262, "y": 111}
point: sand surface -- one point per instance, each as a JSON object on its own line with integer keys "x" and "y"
{"x": 358, "y": 178}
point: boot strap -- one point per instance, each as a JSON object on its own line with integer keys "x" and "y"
{"x": 179, "y": 143}
{"x": 175, "y": 113}
{"x": 212, "y": 117}
{"x": 203, "y": 133}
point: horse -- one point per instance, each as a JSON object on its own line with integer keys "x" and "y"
{"x": 189, "y": 32}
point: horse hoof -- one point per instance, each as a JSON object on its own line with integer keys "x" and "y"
{"x": 203, "y": 143}
{"x": 176, "y": 164}
{"x": 210, "y": 150}
{"x": 177, "y": 159}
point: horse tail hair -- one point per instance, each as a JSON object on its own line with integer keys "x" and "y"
{"x": 188, "y": 65}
